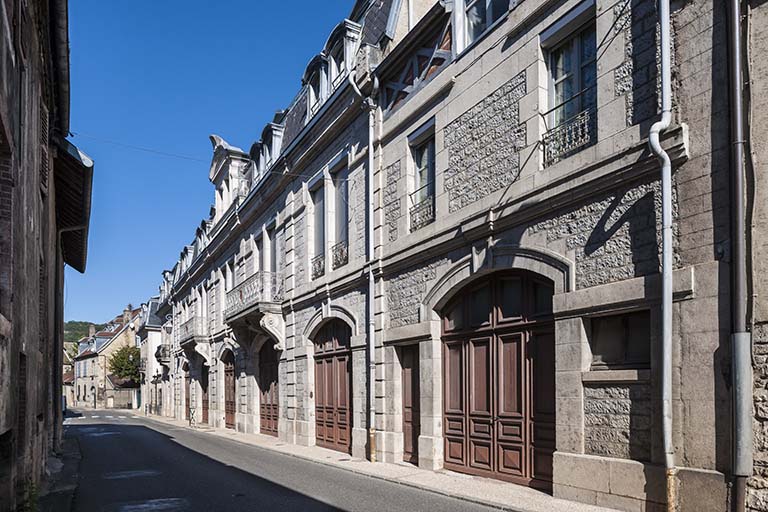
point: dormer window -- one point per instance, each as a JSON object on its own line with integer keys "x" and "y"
{"x": 338, "y": 65}
{"x": 315, "y": 93}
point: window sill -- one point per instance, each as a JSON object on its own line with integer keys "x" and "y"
{"x": 616, "y": 376}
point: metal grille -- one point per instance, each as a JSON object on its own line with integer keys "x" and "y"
{"x": 340, "y": 254}
{"x": 260, "y": 287}
{"x": 570, "y": 137}
{"x": 422, "y": 211}
{"x": 318, "y": 266}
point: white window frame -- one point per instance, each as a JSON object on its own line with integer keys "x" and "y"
{"x": 460, "y": 23}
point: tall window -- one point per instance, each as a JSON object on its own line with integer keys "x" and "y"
{"x": 341, "y": 214}
{"x": 422, "y": 209}
{"x": 572, "y": 117}
{"x": 318, "y": 260}
{"x": 573, "y": 70}
{"x": 480, "y": 14}
{"x": 272, "y": 250}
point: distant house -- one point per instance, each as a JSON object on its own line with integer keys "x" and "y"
{"x": 94, "y": 386}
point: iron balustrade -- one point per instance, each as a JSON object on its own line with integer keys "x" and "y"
{"x": 192, "y": 328}
{"x": 340, "y": 254}
{"x": 422, "y": 211}
{"x": 573, "y": 134}
{"x": 318, "y": 266}
{"x": 262, "y": 286}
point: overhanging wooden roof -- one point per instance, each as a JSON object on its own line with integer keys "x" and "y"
{"x": 73, "y": 171}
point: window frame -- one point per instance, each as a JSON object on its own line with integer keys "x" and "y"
{"x": 624, "y": 364}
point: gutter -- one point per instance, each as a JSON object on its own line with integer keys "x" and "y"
{"x": 60, "y": 45}
{"x": 667, "y": 251}
{"x": 370, "y": 104}
{"x": 741, "y": 338}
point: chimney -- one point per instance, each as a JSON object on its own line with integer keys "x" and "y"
{"x": 127, "y": 314}
{"x": 91, "y": 330}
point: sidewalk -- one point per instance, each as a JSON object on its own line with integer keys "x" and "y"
{"x": 484, "y": 491}
{"x": 60, "y": 484}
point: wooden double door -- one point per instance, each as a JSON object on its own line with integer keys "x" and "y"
{"x": 187, "y": 393}
{"x": 204, "y": 373}
{"x": 499, "y": 380}
{"x": 268, "y": 389}
{"x": 229, "y": 389}
{"x": 333, "y": 371}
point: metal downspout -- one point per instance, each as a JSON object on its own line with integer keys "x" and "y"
{"x": 741, "y": 339}
{"x": 667, "y": 250}
{"x": 369, "y": 103}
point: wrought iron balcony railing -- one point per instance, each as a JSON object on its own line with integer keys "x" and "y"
{"x": 422, "y": 210}
{"x": 340, "y": 254}
{"x": 260, "y": 287}
{"x": 570, "y": 136}
{"x": 318, "y": 266}
{"x": 192, "y": 328}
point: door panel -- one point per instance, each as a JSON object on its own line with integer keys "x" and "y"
{"x": 204, "y": 389}
{"x": 411, "y": 406}
{"x": 187, "y": 393}
{"x": 499, "y": 384}
{"x": 333, "y": 418}
{"x": 229, "y": 392}
{"x": 268, "y": 389}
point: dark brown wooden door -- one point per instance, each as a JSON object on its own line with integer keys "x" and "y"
{"x": 268, "y": 387}
{"x": 204, "y": 388}
{"x": 187, "y": 393}
{"x": 229, "y": 390}
{"x": 498, "y": 364}
{"x": 333, "y": 362}
{"x": 409, "y": 357}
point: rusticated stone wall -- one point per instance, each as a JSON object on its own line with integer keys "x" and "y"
{"x": 614, "y": 238}
{"x": 406, "y": 290}
{"x": 484, "y": 146}
{"x": 617, "y": 420}
{"x": 392, "y": 209}
{"x": 758, "y": 484}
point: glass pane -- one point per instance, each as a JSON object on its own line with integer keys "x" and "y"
{"x": 542, "y": 298}
{"x": 498, "y": 9}
{"x": 607, "y": 340}
{"x": 638, "y": 352}
{"x": 342, "y": 206}
{"x": 480, "y": 306}
{"x": 455, "y": 317}
{"x": 319, "y": 218}
{"x": 588, "y": 45}
{"x": 511, "y": 298}
{"x": 476, "y": 16}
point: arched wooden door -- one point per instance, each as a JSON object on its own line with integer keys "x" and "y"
{"x": 228, "y": 359}
{"x": 204, "y": 388}
{"x": 333, "y": 372}
{"x": 268, "y": 388}
{"x": 499, "y": 380}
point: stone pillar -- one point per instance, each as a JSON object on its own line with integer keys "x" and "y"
{"x": 305, "y": 395}
{"x": 389, "y": 443}
{"x": 431, "y": 374}
{"x": 359, "y": 396}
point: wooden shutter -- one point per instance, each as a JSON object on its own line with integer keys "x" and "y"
{"x": 44, "y": 141}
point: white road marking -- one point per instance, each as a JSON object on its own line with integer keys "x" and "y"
{"x": 109, "y": 417}
{"x": 122, "y": 417}
{"x": 123, "y": 475}
{"x": 158, "y": 505}
{"x": 94, "y": 417}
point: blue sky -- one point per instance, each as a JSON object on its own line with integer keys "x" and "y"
{"x": 163, "y": 75}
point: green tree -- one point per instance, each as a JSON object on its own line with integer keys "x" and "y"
{"x": 124, "y": 363}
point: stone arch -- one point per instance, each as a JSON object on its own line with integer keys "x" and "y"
{"x": 326, "y": 313}
{"x": 226, "y": 344}
{"x": 485, "y": 260}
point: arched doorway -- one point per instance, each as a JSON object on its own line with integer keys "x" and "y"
{"x": 204, "y": 374}
{"x": 499, "y": 379}
{"x": 268, "y": 388}
{"x": 333, "y": 372}
{"x": 228, "y": 360}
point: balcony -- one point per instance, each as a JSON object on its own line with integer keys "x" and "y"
{"x": 340, "y": 254}
{"x": 422, "y": 211}
{"x": 193, "y": 330}
{"x": 318, "y": 266}
{"x": 570, "y": 137}
{"x": 261, "y": 288}
{"x": 163, "y": 354}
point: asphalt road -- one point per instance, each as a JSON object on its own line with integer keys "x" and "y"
{"x": 132, "y": 464}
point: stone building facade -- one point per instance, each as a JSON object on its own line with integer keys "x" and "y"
{"x": 497, "y": 309}
{"x": 45, "y": 189}
{"x": 96, "y": 387}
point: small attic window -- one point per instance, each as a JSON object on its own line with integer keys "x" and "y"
{"x": 338, "y": 64}
{"x": 315, "y": 93}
